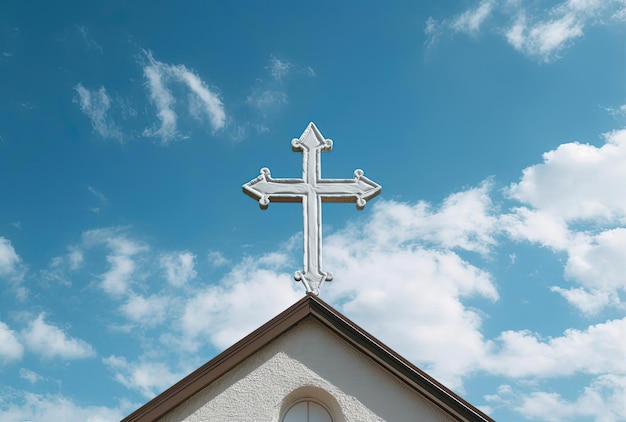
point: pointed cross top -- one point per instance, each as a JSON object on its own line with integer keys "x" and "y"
{"x": 312, "y": 190}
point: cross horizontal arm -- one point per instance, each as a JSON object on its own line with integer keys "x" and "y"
{"x": 265, "y": 188}
{"x": 359, "y": 189}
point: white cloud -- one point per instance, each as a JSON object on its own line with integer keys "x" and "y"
{"x": 449, "y": 334}
{"x": 397, "y": 273}
{"x": 10, "y": 347}
{"x": 96, "y": 104}
{"x": 544, "y": 39}
{"x": 597, "y": 350}
{"x": 116, "y": 281}
{"x": 76, "y": 258}
{"x": 515, "y": 35}
{"x": 616, "y": 111}
{"x": 179, "y": 267}
{"x": 574, "y": 200}
{"x": 148, "y": 311}
{"x": 252, "y": 293}
{"x": 578, "y": 181}
{"x": 471, "y": 20}
{"x": 148, "y": 378}
{"x": 406, "y": 257}
{"x": 217, "y": 259}
{"x": 620, "y": 14}
{"x": 10, "y": 262}
{"x": 50, "y": 341}
{"x": 49, "y": 407}
{"x": 203, "y": 103}
{"x": 163, "y": 100}
{"x": 432, "y": 31}
{"x": 602, "y": 401}
{"x": 122, "y": 267}
{"x": 379, "y": 265}
{"x": 536, "y": 226}
{"x": 588, "y": 302}
{"x": 30, "y": 376}
{"x": 537, "y": 32}
{"x": 465, "y": 220}
{"x": 115, "y": 239}
{"x": 597, "y": 264}
{"x": 403, "y": 258}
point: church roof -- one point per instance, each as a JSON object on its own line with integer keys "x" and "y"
{"x": 310, "y": 307}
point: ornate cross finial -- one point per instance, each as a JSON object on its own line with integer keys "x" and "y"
{"x": 312, "y": 190}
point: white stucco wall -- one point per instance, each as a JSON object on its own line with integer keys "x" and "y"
{"x": 307, "y": 361}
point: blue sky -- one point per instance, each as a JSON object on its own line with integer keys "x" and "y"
{"x": 494, "y": 258}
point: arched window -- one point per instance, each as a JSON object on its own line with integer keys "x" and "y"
{"x": 307, "y": 411}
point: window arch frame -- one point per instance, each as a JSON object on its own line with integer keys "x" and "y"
{"x": 314, "y": 394}
{"x": 307, "y": 400}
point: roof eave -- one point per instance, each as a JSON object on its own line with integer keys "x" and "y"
{"x": 310, "y": 306}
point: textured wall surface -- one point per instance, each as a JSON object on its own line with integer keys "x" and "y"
{"x": 307, "y": 361}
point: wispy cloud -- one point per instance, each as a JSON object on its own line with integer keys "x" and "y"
{"x": 279, "y": 68}
{"x": 267, "y": 99}
{"x": 471, "y": 20}
{"x": 96, "y": 104}
{"x": 616, "y": 112}
{"x": 10, "y": 261}
{"x": 163, "y": 100}
{"x": 217, "y": 259}
{"x": 12, "y": 269}
{"x": 117, "y": 280}
{"x": 50, "y": 341}
{"x": 55, "y": 272}
{"x": 148, "y": 378}
{"x": 546, "y": 38}
{"x": 87, "y": 39}
{"x": 602, "y": 400}
{"x": 178, "y": 267}
{"x": 542, "y": 33}
{"x": 203, "y": 102}
{"x": 270, "y": 90}
{"x": 145, "y": 310}
{"x": 589, "y": 351}
{"x": 100, "y": 198}
{"x": 269, "y": 95}
{"x": 30, "y": 376}
{"x": 29, "y": 406}
{"x": 10, "y": 347}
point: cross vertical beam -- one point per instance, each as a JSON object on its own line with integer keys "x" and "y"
{"x": 311, "y": 190}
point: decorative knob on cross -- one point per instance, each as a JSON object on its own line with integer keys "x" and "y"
{"x": 312, "y": 190}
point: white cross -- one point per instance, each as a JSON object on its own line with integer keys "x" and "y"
{"x": 312, "y": 190}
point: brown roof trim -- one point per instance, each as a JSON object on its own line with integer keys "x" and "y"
{"x": 420, "y": 381}
{"x": 310, "y": 306}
